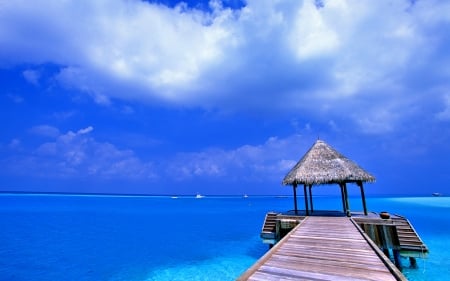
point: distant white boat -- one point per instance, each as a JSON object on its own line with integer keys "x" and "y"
{"x": 436, "y": 194}
{"x": 245, "y": 196}
{"x": 174, "y": 197}
{"x": 198, "y": 196}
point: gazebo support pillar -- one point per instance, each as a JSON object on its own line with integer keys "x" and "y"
{"x": 310, "y": 198}
{"x": 305, "y": 191}
{"x": 347, "y": 204}
{"x": 343, "y": 198}
{"x": 363, "y": 197}
{"x": 294, "y": 187}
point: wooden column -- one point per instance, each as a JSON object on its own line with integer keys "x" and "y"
{"x": 363, "y": 197}
{"x": 343, "y": 198}
{"x": 347, "y": 204}
{"x": 397, "y": 259}
{"x": 305, "y": 191}
{"x": 310, "y": 198}
{"x": 294, "y": 187}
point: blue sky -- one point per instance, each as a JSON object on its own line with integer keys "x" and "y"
{"x": 161, "y": 97}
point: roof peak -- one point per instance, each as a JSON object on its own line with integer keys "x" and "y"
{"x": 322, "y": 164}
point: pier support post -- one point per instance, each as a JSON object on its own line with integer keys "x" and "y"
{"x": 386, "y": 252}
{"x": 360, "y": 184}
{"x": 294, "y": 186}
{"x": 342, "y": 197}
{"x": 347, "y": 205}
{"x": 305, "y": 191}
{"x": 310, "y": 198}
{"x": 345, "y": 199}
{"x": 397, "y": 261}
{"x": 413, "y": 262}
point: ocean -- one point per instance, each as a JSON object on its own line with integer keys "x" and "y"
{"x": 87, "y": 237}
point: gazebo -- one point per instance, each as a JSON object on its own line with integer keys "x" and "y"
{"x": 322, "y": 164}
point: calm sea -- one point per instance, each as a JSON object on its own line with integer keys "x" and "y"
{"x": 62, "y": 237}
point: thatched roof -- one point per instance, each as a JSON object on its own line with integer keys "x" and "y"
{"x": 324, "y": 165}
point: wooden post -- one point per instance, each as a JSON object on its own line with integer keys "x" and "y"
{"x": 347, "y": 204}
{"x": 310, "y": 198}
{"x": 294, "y": 186}
{"x": 342, "y": 197}
{"x": 360, "y": 184}
{"x": 306, "y": 199}
{"x": 413, "y": 262}
{"x": 397, "y": 260}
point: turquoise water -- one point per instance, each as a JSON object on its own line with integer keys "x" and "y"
{"x": 60, "y": 237}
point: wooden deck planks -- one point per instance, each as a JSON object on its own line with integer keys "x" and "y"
{"x": 321, "y": 248}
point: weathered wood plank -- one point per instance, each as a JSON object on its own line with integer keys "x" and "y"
{"x": 357, "y": 259}
{"x": 322, "y": 248}
{"x": 303, "y": 275}
{"x": 334, "y": 265}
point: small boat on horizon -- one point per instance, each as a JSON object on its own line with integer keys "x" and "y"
{"x": 198, "y": 196}
{"x": 436, "y": 194}
{"x": 245, "y": 196}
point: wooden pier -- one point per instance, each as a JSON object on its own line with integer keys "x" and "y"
{"x": 333, "y": 245}
{"x": 324, "y": 248}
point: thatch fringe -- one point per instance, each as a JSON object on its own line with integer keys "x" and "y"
{"x": 322, "y": 164}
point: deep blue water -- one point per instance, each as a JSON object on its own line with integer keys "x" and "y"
{"x": 60, "y": 237}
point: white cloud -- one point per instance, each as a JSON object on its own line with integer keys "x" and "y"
{"x": 32, "y": 76}
{"x": 85, "y": 130}
{"x": 77, "y": 78}
{"x": 45, "y": 131}
{"x": 138, "y": 43}
{"x": 75, "y": 155}
{"x": 78, "y": 155}
{"x": 311, "y": 35}
{"x": 268, "y": 161}
{"x": 285, "y": 56}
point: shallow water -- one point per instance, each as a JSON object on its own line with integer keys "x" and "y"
{"x": 60, "y": 237}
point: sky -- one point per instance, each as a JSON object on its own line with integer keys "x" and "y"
{"x": 221, "y": 97}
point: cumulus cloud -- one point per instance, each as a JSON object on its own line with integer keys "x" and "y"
{"x": 85, "y": 130}
{"x": 78, "y": 155}
{"x": 267, "y": 161}
{"x": 289, "y": 56}
{"x": 148, "y": 45}
{"x": 45, "y": 131}
{"x": 32, "y": 76}
{"x": 311, "y": 34}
